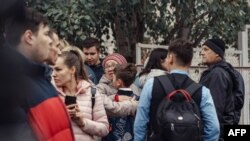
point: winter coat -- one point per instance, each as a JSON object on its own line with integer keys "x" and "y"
{"x": 218, "y": 80}
{"x": 106, "y": 87}
{"x": 122, "y": 127}
{"x": 154, "y": 72}
{"x": 46, "y": 113}
{"x": 95, "y": 120}
{"x": 98, "y": 70}
{"x": 119, "y": 109}
{"x": 141, "y": 80}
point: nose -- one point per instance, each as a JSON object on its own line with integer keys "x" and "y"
{"x": 110, "y": 69}
{"x": 53, "y": 74}
{"x": 201, "y": 52}
{"x": 50, "y": 41}
{"x": 87, "y": 56}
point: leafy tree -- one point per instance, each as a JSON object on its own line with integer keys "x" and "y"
{"x": 199, "y": 19}
{"x": 133, "y": 21}
{"x": 70, "y": 17}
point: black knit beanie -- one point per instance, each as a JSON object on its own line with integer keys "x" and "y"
{"x": 217, "y": 45}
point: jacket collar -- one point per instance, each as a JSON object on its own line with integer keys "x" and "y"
{"x": 30, "y": 67}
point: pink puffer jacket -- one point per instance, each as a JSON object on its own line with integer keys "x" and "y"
{"x": 96, "y": 125}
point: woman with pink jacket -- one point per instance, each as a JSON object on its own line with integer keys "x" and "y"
{"x": 89, "y": 123}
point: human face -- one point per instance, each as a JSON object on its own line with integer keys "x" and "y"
{"x": 54, "y": 50}
{"x": 208, "y": 56}
{"x": 41, "y": 44}
{"x": 62, "y": 74}
{"x": 109, "y": 67}
{"x": 91, "y": 55}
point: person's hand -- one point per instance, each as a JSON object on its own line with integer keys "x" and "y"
{"x": 134, "y": 105}
{"x": 72, "y": 109}
{"x": 134, "y": 101}
{"x": 76, "y": 114}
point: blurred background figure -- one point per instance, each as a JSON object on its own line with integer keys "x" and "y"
{"x": 91, "y": 48}
{"x": 27, "y": 37}
{"x": 54, "y": 50}
{"x": 13, "y": 122}
{"x": 155, "y": 65}
{"x": 105, "y": 85}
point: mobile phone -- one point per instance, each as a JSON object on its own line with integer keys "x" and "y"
{"x": 70, "y": 100}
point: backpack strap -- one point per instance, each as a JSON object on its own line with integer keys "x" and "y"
{"x": 166, "y": 83}
{"x": 93, "y": 92}
{"x": 193, "y": 87}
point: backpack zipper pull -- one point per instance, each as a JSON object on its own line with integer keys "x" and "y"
{"x": 172, "y": 126}
{"x": 198, "y": 122}
{"x": 197, "y": 116}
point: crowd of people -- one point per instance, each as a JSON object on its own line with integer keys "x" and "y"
{"x": 56, "y": 91}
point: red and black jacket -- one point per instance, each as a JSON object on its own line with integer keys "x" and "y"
{"x": 47, "y": 114}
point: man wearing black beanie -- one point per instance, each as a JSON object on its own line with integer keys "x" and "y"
{"x": 223, "y": 81}
{"x": 217, "y": 45}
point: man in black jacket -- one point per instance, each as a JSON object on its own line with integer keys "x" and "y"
{"x": 218, "y": 78}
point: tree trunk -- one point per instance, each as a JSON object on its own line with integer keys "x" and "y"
{"x": 121, "y": 39}
{"x": 184, "y": 33}
{"x": 134, "y": 27}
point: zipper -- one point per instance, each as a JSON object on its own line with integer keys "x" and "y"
{"x": 198, "y": 120}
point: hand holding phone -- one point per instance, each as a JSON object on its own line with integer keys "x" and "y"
{"x": 69, "y": 100}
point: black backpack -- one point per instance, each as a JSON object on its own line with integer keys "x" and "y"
{"x": 178, "y": 115}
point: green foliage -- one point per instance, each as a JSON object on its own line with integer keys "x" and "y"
{"x": 71, "y": 18}
{"x": 197, "y": 19}
{"x": 131, "y": 20}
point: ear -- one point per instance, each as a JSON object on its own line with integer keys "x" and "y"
{"x": 28, "y": 37}
{"x": 171, "y": 59}
{"x": 73, "y": 70}
{"x": 119, "y": 82}
{"x": 162, "y": 60}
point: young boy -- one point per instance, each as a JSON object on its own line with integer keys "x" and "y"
{"x": 122, "y": 127}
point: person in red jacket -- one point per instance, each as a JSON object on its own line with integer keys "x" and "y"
{"x": 46, "y": 114}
